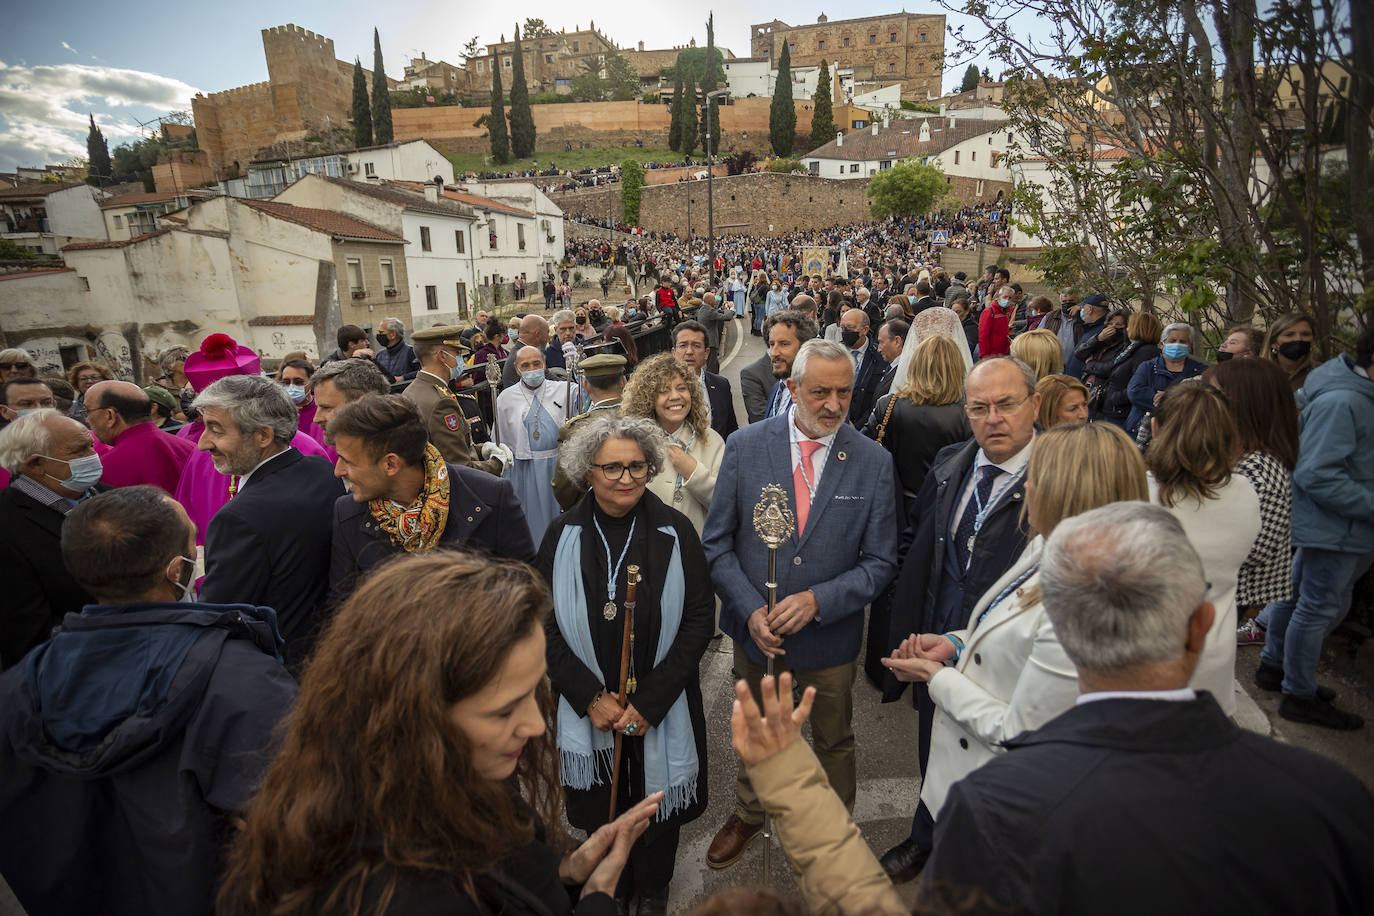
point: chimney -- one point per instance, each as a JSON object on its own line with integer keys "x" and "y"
{"x": 942, "y": 109}
{"x": 431, "y": 192}
{"x": 641, "y": 46}
{"x": 953, "y": 122}
{"x": 887, "y": 121}
{"x": 839, "y": 138}
{"x": 875, "y": 128}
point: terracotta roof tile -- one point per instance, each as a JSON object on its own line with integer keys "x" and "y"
{"x": 92, "y": 246}
{"x": 153, "y": 197}
{"x": 472, "y": 200}
{"x": 403, "y": 197}
{"x": 902, "y": 139}
{"x": 36, "y": 273}
{"x": 327, "y": 221}
{"x": 35, "y": 189}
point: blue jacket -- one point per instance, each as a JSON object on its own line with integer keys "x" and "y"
{"x": 846, "y": 556}
{"x": 398, "y": 359}
{"x": 126, "y": 741}
{"x": 1333, "y": 484}
{"x": 1151, "y": 377}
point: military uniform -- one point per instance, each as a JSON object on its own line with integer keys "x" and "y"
{"x": 600, "y": 367}
{"x": 447, "y": 422}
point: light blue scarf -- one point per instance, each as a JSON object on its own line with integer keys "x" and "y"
{"x": 670, "y": 752}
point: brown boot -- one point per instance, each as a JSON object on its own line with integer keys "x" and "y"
{"x": 730, "y": 841}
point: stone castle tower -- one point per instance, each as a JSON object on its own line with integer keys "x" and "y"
{"x": 308, "y": 91}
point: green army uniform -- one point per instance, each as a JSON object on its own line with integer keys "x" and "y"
{"x": 445, "y": 421}
{"x": 601, "y": 366}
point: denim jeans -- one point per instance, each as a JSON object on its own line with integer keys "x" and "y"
{"x": 1323, "y": 585}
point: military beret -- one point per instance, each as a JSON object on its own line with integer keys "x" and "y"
{"x": 159, "y": 395}
{"x": 603, "y": 365}
{"x": 450, "y": 335}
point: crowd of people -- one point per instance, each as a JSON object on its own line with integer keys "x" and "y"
{"x": 342, "y": 638}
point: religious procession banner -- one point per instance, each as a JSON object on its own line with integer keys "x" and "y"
{"x": 815, "y": 261}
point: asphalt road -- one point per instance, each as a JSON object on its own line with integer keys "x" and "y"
{"x": 889, "y": 782}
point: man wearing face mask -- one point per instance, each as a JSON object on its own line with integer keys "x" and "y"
{"x": 295, "y": 375}
{"x": 134, "y": 735}
{"x": 54, "y": 467}
{"x": 994, "y": 325}
{"x": 396, "y": 358}
{"x": 868, "y": 364}
{"x": 438, "y": 350}
{"x": 528, "y": 417}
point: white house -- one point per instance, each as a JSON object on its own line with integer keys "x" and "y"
{"x": 748, "y": 77}
{"x": 965, "y": 148}
{"x": 130, "y": 215}
{"x": 527, "y": 196}
{"x": 45, "y": 216}
{"x": 882, "y": 101}
{"x": 413, "y": 160}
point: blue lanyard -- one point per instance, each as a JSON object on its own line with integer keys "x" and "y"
{"x": 686, "y": 447}
{"x": 615, "y": 573}
{"x": 1019, "y": 581}
{"x": 982, "y": 509}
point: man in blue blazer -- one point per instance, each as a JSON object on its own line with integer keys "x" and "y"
{"x": 842, "y": 554}
{"x": 692, "y": 345}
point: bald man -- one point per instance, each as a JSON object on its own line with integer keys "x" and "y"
{"x": 120, "y": 415}
{"x": 534, "y": 332}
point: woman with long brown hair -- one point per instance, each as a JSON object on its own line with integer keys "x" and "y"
{"x": 1192, "y": 455}
{"x": 418, "y": 771}
{"x": 1267, "y": 423}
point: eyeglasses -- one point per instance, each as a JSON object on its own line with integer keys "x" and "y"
{"x": 689, "y": 345}
{"x": 1001, "y": 408}
{"x": 16, "y": 365}
{"x": 615, "y": 470}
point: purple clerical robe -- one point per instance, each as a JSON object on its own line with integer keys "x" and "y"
{"x": 308, "y": 426}
{"x": 203, "y": 490}
{"x": 144, "y": 454}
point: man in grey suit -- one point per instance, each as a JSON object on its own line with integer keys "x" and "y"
{"x": 842, "y": 554}
{"x": 755, "y": 383}
{"x": 713, "y": 317}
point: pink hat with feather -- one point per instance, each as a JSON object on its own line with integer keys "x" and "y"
{"x": 219, "y": 356}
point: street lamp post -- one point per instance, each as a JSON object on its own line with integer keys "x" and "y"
{"x": 710, "y": 200}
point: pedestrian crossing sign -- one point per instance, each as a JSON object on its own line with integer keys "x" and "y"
{"x": 940, "y": 237}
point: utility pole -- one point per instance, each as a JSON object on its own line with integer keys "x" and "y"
{"x": 710, "y": 198}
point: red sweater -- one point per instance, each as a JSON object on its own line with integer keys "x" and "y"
{"x": 994, "y": 331}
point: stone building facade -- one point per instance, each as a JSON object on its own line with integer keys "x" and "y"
{"x": 551, "y": 62}
{"x": 903, "y": 47}
{"x": 308, "y": 91}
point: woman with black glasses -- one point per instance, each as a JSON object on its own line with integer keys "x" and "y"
{"x": 586, "y": 557}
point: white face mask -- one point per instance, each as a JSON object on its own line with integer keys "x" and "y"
{"x": 184, "y": 587}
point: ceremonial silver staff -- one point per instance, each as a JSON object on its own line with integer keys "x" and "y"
{"x": 774, "y": 524}
{"x": 493, "y": 373}
{"x": 572, "y": 379}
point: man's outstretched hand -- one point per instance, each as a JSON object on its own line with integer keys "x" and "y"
{"x": 758, "y": 736}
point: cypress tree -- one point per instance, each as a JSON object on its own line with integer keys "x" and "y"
{"x": 521, "y": 117}
{"x": 675, "y": 112}
{"x": 822, "y": 113}
{"x": 97, "y": 155}
{"x": 689, "y": 114}
{"x": 710, "y": 109}
{"x": 381, "y": 95}
{"x": 496, "y": 120}
{"x": 782, "y": 115}
{"x": 362, "y": 111}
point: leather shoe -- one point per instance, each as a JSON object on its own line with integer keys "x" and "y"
{"x": 1316, "y": 711}
{"x": 654, "y": 905}
{"x": 904, "y": 861}
{"x": 1270, "y": 677}
{"x": 729, "y": 842}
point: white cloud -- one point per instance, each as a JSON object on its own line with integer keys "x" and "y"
{"x": 44, "y": 109}
{"x": 70, "y": 48}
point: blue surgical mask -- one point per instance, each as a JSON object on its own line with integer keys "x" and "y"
{"x": 296, "y": 393}
{"x": 1175, "y": 350}
{"x": 533, "y": 378}
{"x": 84, "y": 473}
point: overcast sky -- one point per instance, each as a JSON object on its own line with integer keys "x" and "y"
{"x": 127, "y": 67}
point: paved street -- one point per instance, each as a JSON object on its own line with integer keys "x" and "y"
{"x": 888, "y": 779}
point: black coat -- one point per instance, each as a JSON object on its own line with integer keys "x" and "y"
{"x": 37, "y": 588}
{"x": 915, "y": 434}
{"x": 723, "y": 419}
{"x": 659, "y": 686}
{"x": 1116, "y": 405}
{"x": 1099, "y": 357}
{"x": 866, "y": 382}
{"x": 526, "y": 884}
{"x": 921, "y": 575}
{"x": 1145, "y": 807}
{"x": 484, "y": 515}
{"x": 269, "y": 546}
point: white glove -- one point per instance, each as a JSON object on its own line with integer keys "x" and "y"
{"x": 569, "y": 351}
{"x": 501, "y": 452}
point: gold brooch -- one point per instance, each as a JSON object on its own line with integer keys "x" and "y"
{"x": 841, "y": 455}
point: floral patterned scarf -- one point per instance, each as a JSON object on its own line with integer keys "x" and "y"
{"x": 416, "y": 528}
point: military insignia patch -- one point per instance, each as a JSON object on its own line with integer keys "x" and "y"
{"x": 451, "y": 421}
